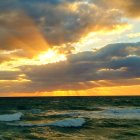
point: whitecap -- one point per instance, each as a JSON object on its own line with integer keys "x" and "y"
{"x": 73, "y": 122}
{"x": 105, "y": 112}
{"x": 77, "y": 122}
{"x": 125, "y": 113}
{"x": 11, "y": 117}
{"x": 116, "y": 113}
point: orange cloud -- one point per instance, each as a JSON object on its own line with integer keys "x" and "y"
{"x": 129, "y": 7}
{"x": 37, "y": 56}
{"x": 21, "y": 33}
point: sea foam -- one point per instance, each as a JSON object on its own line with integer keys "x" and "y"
{"x": 10, "y": 117}
{"x": 106, "y": 112}
{"x": 116, "y": 113}
{"x": 73, "y": 122}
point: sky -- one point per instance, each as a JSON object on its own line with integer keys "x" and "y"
{"x": 69, "y": 47}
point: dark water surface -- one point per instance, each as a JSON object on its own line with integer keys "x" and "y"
{"x": 106, "y": 118}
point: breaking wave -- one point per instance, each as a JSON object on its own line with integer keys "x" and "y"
{"x": 76, "y": 122}
{"x": 11, "y": 117}
{"x": 116, "y": 113}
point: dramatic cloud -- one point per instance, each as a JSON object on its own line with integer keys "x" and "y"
{"x": 41, "y": 44}
{"x": 86, "y": 69}
{"x": 20, "y": 33}
{"x": 22, "y": 23}
{"x": 130, "y": 7}
{"x": 60, "y": 22}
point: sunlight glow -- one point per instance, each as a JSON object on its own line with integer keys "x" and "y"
{"x": 51, "y": 56}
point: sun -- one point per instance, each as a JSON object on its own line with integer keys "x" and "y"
{"x": 51, "y": 56}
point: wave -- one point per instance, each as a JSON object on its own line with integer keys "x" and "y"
{"x": 11, "y": 117}
{"x": 75, "y": 122}
{"x": 115, "y": 113}
{"x": 106, "y": 112}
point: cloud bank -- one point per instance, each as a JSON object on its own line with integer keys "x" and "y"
{"x": 29, "y": 28}
{"x": 115, "y": 63}
{"x": 57, "y": 22}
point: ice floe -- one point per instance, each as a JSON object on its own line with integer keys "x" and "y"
{"x": 11, "y": 117}
{"x": 73, "y": 122}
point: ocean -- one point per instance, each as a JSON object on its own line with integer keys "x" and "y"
{"x": 70, "y": 118}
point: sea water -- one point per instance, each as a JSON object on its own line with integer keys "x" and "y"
{"x": 70, "y": 118}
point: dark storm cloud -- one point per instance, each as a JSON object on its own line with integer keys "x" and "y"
{"x": 87, "y": 66}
